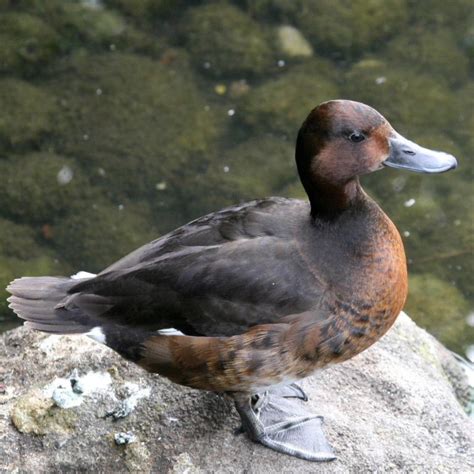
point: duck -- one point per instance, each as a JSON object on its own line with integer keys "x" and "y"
{"x": 253, "y": 298}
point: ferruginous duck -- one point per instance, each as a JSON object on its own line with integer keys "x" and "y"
{"x": 250, "y": 299}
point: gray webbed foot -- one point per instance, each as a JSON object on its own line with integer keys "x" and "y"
{"x": 282, "y": 424}
{"x": 289, "y": 391}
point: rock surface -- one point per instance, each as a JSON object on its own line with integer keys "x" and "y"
{"x": 392, "y": 408}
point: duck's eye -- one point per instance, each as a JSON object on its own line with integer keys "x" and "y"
{"x": 356, "y": 137}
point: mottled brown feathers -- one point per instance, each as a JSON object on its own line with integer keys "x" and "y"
{"x": 269, "y": 354}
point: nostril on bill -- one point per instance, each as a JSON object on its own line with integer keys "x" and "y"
{"x": 409, "y": 152}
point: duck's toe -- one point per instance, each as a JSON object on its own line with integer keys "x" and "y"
{"x": 283, "y": 425}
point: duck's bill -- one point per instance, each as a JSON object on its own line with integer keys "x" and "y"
{"x": 405, "y": 154}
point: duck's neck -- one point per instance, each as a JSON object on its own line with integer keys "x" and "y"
{"x": 328, "y": 197}
{"x": 329, "y": 200}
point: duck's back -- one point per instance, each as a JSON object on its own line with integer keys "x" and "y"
{"x": 217, "y": 276}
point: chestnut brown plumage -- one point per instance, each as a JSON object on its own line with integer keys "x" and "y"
{"x": 264, "y": 293}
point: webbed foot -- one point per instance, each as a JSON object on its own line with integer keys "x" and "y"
{"x": 282, "y": 424}
{"x": 293, "y": 390}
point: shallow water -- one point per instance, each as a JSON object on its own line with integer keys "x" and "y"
{"x": 122, "y": 120}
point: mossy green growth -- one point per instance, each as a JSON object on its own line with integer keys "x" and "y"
{"x": 17, "y": 240}
{"x": 145, "y": 10}
{"x": 259, "y": 167}
{"x": 281, "y": 105}
{"x": 441, "y": 308}
{"x": 343, "y": 28}
{"x": 39, "y": 187}
{"x": 26, "y": 43}
{"x": 433, "y": 51}
{"x": 138, "y": 9}
{"x": 96, "y": 236}
{"x": 279, "y": 10}
{"x": 409, "y": 100}
{"x": 455, "y": 14}
{"x": 224, "y": 41}
{"x": 85, "y": 25}
{"x": 132, "y": 121}
{"x": 27, "y": 112}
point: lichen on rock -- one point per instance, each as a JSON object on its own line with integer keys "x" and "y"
{"x": 37, "y": 413}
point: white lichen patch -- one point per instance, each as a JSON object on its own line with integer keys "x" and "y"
{"x": 48, "y": 344}
{"x": 70, "y": 392}
{"x": 135, "y": 393}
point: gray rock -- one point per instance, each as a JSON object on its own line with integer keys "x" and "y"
{"x": 392, "y": 408}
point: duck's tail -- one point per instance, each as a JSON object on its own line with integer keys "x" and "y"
{"x": 45, "y": 304}
{"x": 38, "y": 300}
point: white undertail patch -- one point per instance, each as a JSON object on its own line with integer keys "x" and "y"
{"x": 82, "y": 274}
{"x": 170, "y": 332}
{"x": 97, "y": 334}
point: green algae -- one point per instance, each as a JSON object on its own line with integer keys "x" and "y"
{"x": 433, "y": 51}
{"x": 39, "y": 187}
{"x": 394, "y": 91}
{"x": 94, "y": 237}
{"x": 278, "y": 104}
{"x": 440, "y": 308}
{"x": 247, "y": 172}
{"x": 280, "y": 10}
{"x": 18, "y": 240}
{"x": 27, "y": 112}
{"x": 131, "y": 121}
{"x": 139, "y": 99}
{"x": 350, "y": 26}
{"x": 26, "y": 43}
{"x": 144, "y": 10}
{"x": 225, "y": 42}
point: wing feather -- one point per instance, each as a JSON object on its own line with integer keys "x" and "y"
{"x": 217, "y": 276}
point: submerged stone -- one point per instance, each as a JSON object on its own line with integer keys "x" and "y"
{"x": 342, "y": 28}
{"x": 32, "y": 191}
{"x": 27, "y": 112}
{"x": 433, "y": 52}
{"x": 440, "y": 308}
{"x": 26, "y": 43}
{"x": 131, "y": 121}
{"x": 292, "y": 43}
{"x": 407, "y": 98}
{"x": 224, "y": 41}
{"x": 279, "y": 105}
{"x": 94, "y": 237}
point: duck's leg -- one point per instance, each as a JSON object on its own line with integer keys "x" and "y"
{"x": 283, "y": 424}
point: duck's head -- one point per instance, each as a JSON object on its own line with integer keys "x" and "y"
{"x": 341, "y": 140}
